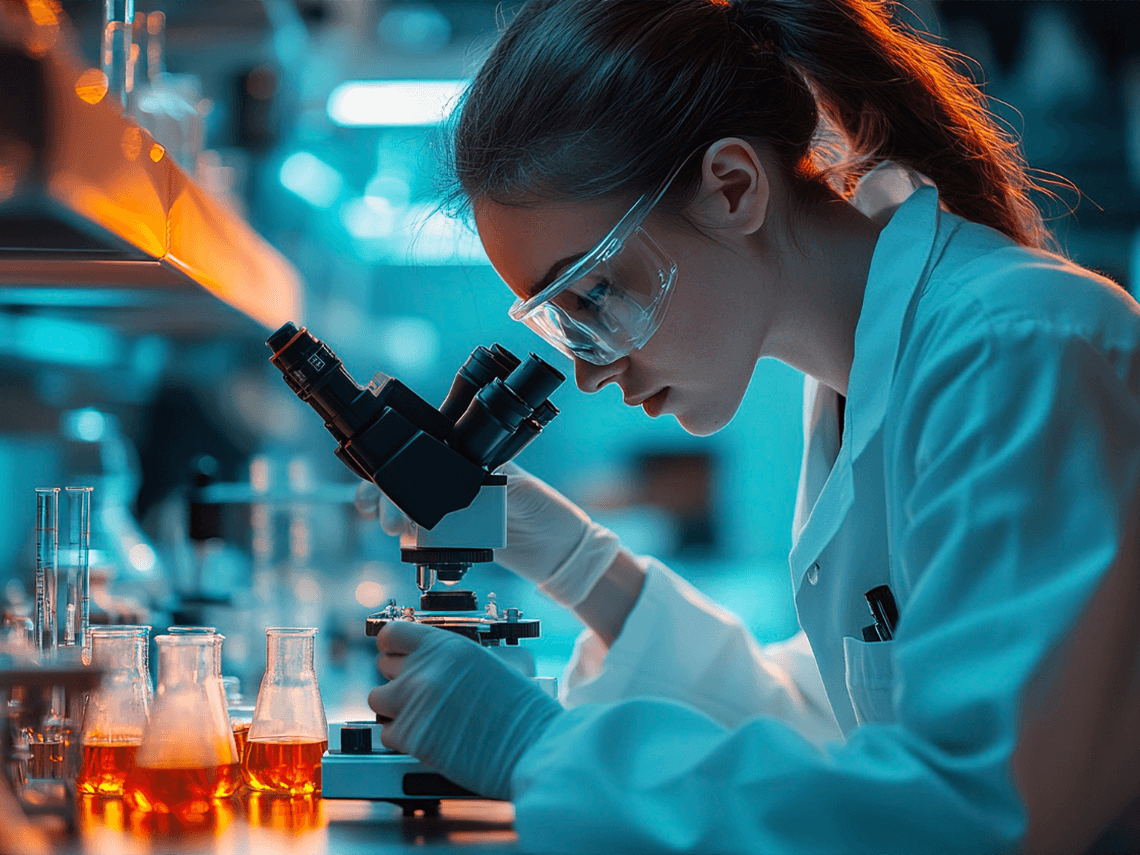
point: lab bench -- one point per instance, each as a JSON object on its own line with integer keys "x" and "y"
{"x": 306, "y": 826}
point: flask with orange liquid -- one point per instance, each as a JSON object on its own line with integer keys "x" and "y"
{"x": 289, "y": 734}
{"x": 227, "y": 784}
{"x": 116, "y": 713}
{"x": 187, "y": 754}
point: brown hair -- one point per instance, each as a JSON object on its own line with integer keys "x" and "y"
{"x": 583, "y": 99}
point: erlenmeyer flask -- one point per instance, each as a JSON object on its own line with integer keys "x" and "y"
{"x": 187, "y": 753}
{"x": 227, "y": 783}
{"x": 116, "y": 714}
{"x": 289, "y": 733}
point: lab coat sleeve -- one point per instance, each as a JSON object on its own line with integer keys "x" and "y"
{"x": 679, "y": 644}
{"x": 991, "y": 442}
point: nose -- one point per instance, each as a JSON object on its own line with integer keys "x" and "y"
{"x": 590, "y": 377}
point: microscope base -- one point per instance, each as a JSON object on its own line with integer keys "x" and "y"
{"x": 384, "y": 775}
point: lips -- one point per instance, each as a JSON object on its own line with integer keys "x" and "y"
{"x": 654, "y": 404}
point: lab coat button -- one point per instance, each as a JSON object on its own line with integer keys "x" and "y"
{"x": 813, "y": 573}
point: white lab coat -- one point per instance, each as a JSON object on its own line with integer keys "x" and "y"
{"x": 990, "y": 448}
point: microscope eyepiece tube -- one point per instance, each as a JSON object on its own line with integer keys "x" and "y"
{"x": 534, "y": 380}
{"x": 494, "y": 414}
{"x": 481, "y": 367}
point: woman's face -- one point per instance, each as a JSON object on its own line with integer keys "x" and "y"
{"x": 698, "y": 363}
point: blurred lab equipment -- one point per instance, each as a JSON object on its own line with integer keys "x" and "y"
{"x": 116, "y": 714}
{"x": 38, "y": 745}
{"x": 170, "y": 106}
{"x": 187, "y": 754}
{"x": 76, "y": 562}
{"x": 438, "y": 466}
{"x": 47, "y": 579}
{"x": 289, "y": 734}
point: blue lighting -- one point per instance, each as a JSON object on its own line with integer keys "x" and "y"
{"x": 394, "y": 103}
{"x": 312, "y": 179}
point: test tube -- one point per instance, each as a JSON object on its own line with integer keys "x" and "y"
{"x": 77, "y": 631}
{"x": 47, "y": 580}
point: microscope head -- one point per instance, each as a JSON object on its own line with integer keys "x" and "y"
{"x": 436, "y": 465}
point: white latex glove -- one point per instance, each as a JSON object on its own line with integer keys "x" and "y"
{"x": 456, "y": 707}
{"x": 550, "y": 540}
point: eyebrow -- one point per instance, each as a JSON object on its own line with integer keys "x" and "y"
{"x": 552, "y": 274}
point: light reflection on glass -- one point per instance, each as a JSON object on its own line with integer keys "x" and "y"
{"x": 91, "y": 86}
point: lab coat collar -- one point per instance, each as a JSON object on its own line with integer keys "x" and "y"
{"x": 907, "y": 248}
{"x": 900, "y": 266}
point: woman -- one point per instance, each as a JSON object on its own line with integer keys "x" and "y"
{"x": 972, "y": 447}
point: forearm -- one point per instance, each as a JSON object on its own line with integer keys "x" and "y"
{"x": 610, "y": 601}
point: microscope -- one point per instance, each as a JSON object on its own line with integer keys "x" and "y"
{"x": 439, "y": 467}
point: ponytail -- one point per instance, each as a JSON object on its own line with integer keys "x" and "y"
{"x": 894, "y": 95}
{"x": 591, "y": 98}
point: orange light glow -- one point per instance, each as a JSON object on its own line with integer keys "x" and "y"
{"x": 131, "y": 142}
{"x": 156, "y": 152}
{"x": 46, "y": 16}
{"x": 91, "y": 86}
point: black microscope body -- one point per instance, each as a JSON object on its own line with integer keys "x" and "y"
{"x": 436, "y": 465}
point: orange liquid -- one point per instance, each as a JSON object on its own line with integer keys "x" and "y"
{"x": 241, "y": 734}
{"x": 105, "y": 767}
{"x": 186, "y": 793}
{"x": 290, "y": 767}
{"x": 47, "y": 758}
{"x": 228, "y": 780}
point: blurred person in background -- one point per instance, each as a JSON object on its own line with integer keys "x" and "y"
{"x": 674, "y": 189}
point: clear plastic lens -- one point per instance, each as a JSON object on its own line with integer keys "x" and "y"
{"x": 611, "y": 307}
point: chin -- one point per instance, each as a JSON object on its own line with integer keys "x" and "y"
{"x": 704, "y": 423}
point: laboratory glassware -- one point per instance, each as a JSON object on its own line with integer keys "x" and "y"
{"x": 226, "y": 785}
{"x": 117, "y": 58}
{"x": 240, "y": 712}
{"x": 116, "y": 715}
{"x": 168, "y": 105}
{"x": 289, "y": 733}
{"x": 47, "y": 570}
{"x": 187, "y": 754}
{"x": 76, "y": 563}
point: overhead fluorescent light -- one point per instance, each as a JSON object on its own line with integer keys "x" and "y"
{"x": 393, "y": 103}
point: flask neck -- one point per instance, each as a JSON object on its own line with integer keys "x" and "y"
{"x": 121, "y": 650}
{"x": 183, "y": 660}
{"x": 289, "y": 652}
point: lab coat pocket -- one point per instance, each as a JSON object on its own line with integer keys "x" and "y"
{"x": 869, "y": 679}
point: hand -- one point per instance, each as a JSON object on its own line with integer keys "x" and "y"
{"x": 456, "y": 707}
{"x": 550, "y": 540}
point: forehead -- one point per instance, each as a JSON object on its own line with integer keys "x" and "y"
{"x": 526, "y": 245}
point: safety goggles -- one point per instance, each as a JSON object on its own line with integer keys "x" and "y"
{"x": 610, "y": 301}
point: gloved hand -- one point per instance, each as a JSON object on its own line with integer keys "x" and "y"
{"x": 456, "y": 707}
{"x": 550, "y": 540}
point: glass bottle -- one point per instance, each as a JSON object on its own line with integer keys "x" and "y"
{"x": 226, "y": 784}
{"x": 289, "y": 733}
{"x": 116, "y": 714}
{"x": 187, "y": 753}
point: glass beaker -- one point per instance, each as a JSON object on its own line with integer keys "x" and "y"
{"x": 187, "y": 754}
{"x": 227, "y": 784}
{"x": 240, "y": 712}
{"x": 116, "y": 714}
{"x": 289, "y": 733}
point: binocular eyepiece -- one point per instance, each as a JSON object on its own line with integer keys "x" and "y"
{"x": 419, "y": 456}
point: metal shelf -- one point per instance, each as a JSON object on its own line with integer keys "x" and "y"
{"x": 95, "y": 217}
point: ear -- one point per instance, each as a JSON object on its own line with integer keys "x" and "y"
{"x": 735, "y": 189}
